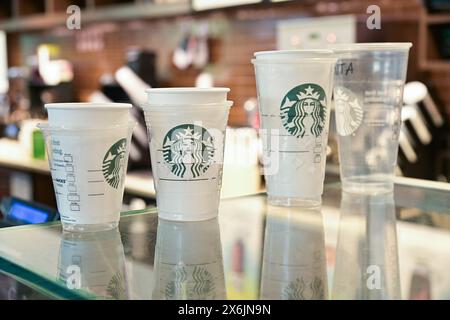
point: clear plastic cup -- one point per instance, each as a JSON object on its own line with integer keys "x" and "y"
{"x": 367, "y": 266}
{"x": 187, "y": 131}
{"x": 368, "y": 97}
{"x": 294, "y": 262}
{"x": 294, "y": 94}
{"x": 88, "y": 167}
{"x": 95, "y": 263}
{"x": 188, "y": 261}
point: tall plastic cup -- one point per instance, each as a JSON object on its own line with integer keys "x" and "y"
{"x": 294, "y": 262}
{"x": 188, "y": 261}
{"x": 294, "y": 94}
{"x": 187, "y": 130}
{"x": 88, "y": 147}
{"x": 368, "y": 97}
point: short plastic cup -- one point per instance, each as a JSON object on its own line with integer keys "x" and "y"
{"x": 187, "y": 131}
{"x": 294, "y": 263}
{"x": 94, "y": 263}
{"x": 88, "y": 165}
{"x": 369, "y": 81}
{"x": 294, "y": 94}
{"x": 188, "y": 261}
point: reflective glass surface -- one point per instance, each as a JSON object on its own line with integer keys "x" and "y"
{"x": 385, "y": 246}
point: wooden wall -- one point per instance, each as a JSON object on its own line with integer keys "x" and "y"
{"x": 237, "y": 34}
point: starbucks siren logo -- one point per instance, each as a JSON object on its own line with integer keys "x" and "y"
{"x": 349, "y": 113}
{"x": 188, "y": 145}
{"x": 113, "y": 163}
{"x": 190, "y": 284}
{"x": 304, "y": 110}
{"x": 301, "y": 289}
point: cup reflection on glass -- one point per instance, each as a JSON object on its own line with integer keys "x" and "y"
{"x": 294, "y": 262}
{"x": 366, "y": 255}
{"x": 294, "y": 95}
{"x": 94, "y": 263}
{"x": 188, "y": 261}
{"x": 368, "y": 98}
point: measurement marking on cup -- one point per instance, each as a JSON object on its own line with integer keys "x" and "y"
{"x": 95, "y": 194}
{"x": 183, "y": 180}
{"x": 287, "y": 151}
{"x": 73, "y": 197}
{"x": 190, "y": 264}
{"x": 270, "y": 115}
{"x": 94, "y": 170}
{"x": 95, "y": 181}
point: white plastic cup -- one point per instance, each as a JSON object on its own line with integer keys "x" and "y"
{"x": 294, "y": 93}
{"x": 187, "y": 131}
{"x": 294, "y": 262}
{"x": 188, "y": 261}
{"x": 88, "y": 166}
{"x": 93, "y": 263}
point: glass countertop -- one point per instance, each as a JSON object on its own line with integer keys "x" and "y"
{"x": 386, "y": 246}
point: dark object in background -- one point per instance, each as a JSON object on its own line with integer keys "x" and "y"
{"x": 441, "y": 34}
{"x": 143, "y": 63}
{"x": 437, "y": 5}
{"x": 41, "y": 94}
{"x": 432, "y": 161}
{"x": 115, "y": 93}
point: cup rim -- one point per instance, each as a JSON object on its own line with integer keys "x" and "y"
{"x": 170, "y": 106}
{"x": 294, "y": 61}
{"x": 87, "y": 105}
{"x": 46, "y": 126}
{"x": 370, "y": 46}
{"x": 294, "y": 51}
{"x": 178, "y": 90}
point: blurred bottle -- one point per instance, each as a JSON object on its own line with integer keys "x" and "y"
{"x": 294, "y": 262}
{"x": 366, "y": 254}
{"x": 188, "y": 261}
{"x": 94, "y": 263}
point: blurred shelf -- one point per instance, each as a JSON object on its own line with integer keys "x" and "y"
{"x": 428, "y": 49}
{"x": 114, "y": 12}
{"x": 438, "y": 18}
{"x": 436, "y": 65}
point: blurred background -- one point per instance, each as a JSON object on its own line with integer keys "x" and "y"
{"x": 111, "y": 50}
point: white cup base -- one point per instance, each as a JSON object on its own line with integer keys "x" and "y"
{"x": 170, "y": 216}
{"x": 73, "y": 227}
{"x": 295, "y": 201}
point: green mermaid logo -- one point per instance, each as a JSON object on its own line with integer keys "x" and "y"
{"x": 113, "y": 163}
{"x": 304, "y": 110}
{"x": 188, "y": 145}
